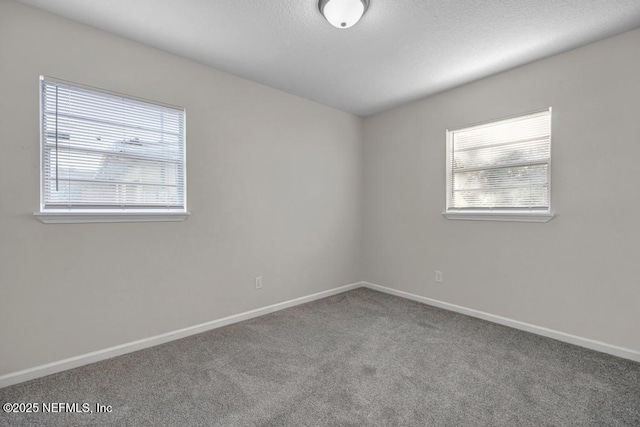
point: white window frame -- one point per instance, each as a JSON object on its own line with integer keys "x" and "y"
{"x": 95, "y": 215}
{"x": 495, "y": 214}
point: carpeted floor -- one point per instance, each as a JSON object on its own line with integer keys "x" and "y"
{"x": 355, "y": 359}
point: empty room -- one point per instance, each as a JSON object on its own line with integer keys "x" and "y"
{"x": 319, "y": 213}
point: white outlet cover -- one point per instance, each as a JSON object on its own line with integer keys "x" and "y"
{"x": 438, "y": 276}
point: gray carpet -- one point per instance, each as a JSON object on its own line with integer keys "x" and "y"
{"x": 355, "y": 359}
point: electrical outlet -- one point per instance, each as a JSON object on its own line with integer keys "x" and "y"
{"x": 258, "y": 282}
{"x": 438, "y": 276}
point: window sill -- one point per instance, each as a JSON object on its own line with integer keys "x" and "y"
{"x": 500, "y": 216}
{"x": 95, "y": 217}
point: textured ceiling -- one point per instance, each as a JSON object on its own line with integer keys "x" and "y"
{"x": 401, "y": 50}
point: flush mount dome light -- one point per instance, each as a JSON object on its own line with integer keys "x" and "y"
{"x": 343, "y": 13}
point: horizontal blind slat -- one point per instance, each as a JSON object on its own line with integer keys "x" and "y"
{"x": 70, "y": 149}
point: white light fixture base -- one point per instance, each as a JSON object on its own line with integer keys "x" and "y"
{"x": 343, "y": 13}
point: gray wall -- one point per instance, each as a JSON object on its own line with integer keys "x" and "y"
{"x": 579, "y": 273}
{"x": 274, "y": 185}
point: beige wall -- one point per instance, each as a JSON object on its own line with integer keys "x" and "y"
{"x": 274, "y": 187}
{"x": 579, "y": 273}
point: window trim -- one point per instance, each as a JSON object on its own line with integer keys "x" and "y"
{"x": 500, "y": 216}
{"x": 96, "y": 215}
{"x": 76, "y": 217}
{"x": 506, "y": 214}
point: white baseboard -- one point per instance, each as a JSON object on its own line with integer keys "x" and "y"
{"x": 550, "y": 333}
{"x": 107, "y": 353}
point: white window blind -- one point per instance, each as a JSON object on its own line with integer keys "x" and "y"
{"x": 500, "y": 166}
{"x": 105, "y": 152}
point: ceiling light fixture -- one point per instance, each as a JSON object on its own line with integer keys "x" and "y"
{"x": 343, "y": 13}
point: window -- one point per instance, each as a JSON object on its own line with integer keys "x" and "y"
{"x": 109, "y": 158}
{"x": 501, "y": 170}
